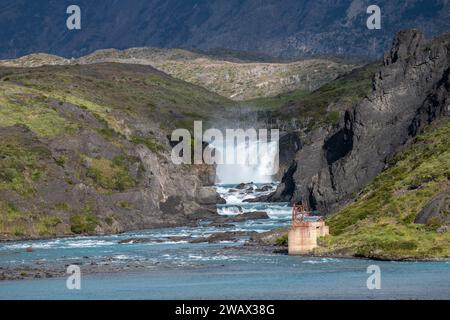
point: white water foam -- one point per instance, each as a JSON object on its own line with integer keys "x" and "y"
{"x": 323, "y": 260}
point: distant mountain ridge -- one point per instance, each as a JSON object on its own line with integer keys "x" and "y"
{"x": 228, "y": 76}
{"x": 288, "y": 28}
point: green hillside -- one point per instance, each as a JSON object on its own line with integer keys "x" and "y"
{"x": 381, "y": 222}
{"x": 70, "y": 141}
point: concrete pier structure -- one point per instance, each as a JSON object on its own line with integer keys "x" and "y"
{"x": 302, "y": 237}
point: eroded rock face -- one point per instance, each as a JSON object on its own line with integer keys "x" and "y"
{"x": 410, "y": 91}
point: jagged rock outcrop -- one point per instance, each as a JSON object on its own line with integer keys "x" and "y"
{"x": 411, "y": 90}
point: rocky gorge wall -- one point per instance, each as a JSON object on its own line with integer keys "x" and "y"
{"x": 410, "y": 91}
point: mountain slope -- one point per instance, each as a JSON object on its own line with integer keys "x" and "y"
{"x": 288, "y": 28}
{"x": 84, "y": 150}
{"x": 238, "y": 80}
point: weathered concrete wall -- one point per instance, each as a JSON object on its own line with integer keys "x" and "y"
{"x": 302, "y": 238}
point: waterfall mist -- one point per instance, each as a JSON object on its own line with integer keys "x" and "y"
{"x": 262, "y": 172}
{"x": 265, "y": 169}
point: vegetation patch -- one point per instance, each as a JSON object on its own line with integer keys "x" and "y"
{"x": 149, "y": 142}
{"x": 83, "y": 223}
{"x": 20, "y": 105}
{"x": 324, "y": 105}
{"x": 125, "y": 205}
{"x": 15, "y": 223}
{"x": 282, "y": 241}
{"x": 20, "y": 164}
{"x": 62, "y": 206}
{"x": 109, "y": 220}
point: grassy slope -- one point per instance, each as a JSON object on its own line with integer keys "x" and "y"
{"x": 22, "y": 165}
{"x": 232, "y": 78}
{"x": 380, "y": 223}
{"x": 132, "y": 89}
{"x": 322, "y": 106}
{"x": 242, "y": 81}
{"x": 221, "y": 73}
{"x": 35, "y": 60}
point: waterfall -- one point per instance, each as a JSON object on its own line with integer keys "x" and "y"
{"x": 263, "y": 171}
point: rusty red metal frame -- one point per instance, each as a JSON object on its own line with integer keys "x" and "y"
{"x": 299, "y": 212}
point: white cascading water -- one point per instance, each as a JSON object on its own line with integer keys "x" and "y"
{"x": 259, "y": 180}
{"x": 261, "y": 172}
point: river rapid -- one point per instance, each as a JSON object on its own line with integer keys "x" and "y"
{"x": 167, "y": 268}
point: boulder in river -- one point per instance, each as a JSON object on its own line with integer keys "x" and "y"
{"x": 256, "y": 215}
{"x": 223, "y": 236}
{"x": 264, "y": 188}
{"x": 242, "y": 186}
{"x": 249, "y": 190}
{"x": 270, "y": 237}
{"x": 209, "y": 195}
{"x": 140, "y": 240}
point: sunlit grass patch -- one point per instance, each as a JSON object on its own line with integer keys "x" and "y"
{"x": 109, "y": 175}
{"x": 23, "y": 106}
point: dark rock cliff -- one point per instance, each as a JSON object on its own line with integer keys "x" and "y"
{"x": 410, "y": 91}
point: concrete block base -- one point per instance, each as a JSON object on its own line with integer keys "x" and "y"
{"x": 302, "y": 238}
